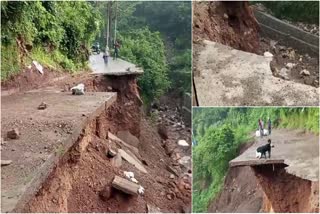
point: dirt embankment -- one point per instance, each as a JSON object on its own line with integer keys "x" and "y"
{"x": 229, "y": 23}
{"x": 81, "y": 181}
{"x": 285, "y": 192}
{"x": 266, "y": 188}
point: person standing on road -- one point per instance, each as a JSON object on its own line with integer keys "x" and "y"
{"x": 116, "y": 50}
{"x": 269, "y": 126}
{"x": 106, "y": 55}
{"x": 260, "y": 123}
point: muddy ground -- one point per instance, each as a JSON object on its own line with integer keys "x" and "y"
{"x": 86, "y": 168}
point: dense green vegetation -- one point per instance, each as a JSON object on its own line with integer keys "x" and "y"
{"x": 156, "y": 36}
{"x": 153, "y": 35}
{"x": 58, "y": 34}
{"x": 218, "y": 133}
{"x": 304, "y": 11}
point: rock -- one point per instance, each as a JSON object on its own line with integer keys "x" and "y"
{"x": 109, "y": 88}
{"x": 13, "y": 134}
{"x": 290, "y": 65}
{"x": 152, "y": 209}
{"x": 127, "y": 137}
{"x": 42, "y": 106}
{"x": 283, "y": 73}
{"x": 6, "y": 162}
{"x": 225, "y": 16}
{"x": 305, "y": 72}
{"x": 125, "y": 186}
{"x": 112, "y": 152}
{"x": 185, "y": 161}
{"x": 105, "y": 193}
{"x": 268, "y": 54}
{"x": 187, "y": 186}
{"x": 117, "y": 160}
{"x": 162, "y": 131}
{"x": 183, "y": 143}
{"x": 172, "y": 176}
{"x": 292, "y": 54}
{"x": 170, "y": 195}
{"x": 160, "y": 180}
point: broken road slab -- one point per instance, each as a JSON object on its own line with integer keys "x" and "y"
{"x": 56, "y": 128}
{"x": 299, "y": 151}
{"x": 132, "y": 160}
{"x": 116, "y": 67}
{"x": 125, "y": 186}
{"x": 225, "y": 76}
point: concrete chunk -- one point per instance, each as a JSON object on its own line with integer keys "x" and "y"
{"x": 125, "y": 185}
{"x": 132, "y": 160}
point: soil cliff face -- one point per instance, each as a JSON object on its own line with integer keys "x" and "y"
{"x": 229, "y": 23}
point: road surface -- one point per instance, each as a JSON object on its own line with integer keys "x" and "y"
{"x": 298, "y": 150}
{"x": 116, "y": 67}
{"x": 44, "y": 136}
{"x": 224, "y": 76}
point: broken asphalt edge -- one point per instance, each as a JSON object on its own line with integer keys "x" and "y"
{"x": 54, "y": 159}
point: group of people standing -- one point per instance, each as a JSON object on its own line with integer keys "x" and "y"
{"x": 261, "y": 126}
{"x": 116, "y": 52}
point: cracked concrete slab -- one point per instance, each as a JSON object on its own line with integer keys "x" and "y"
{"x": 298, "y": 150}
{"x": 224, "y": 76}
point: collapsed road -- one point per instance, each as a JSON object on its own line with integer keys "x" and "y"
{"x": 65, "y": 153}
{"x": 290, "y": 178}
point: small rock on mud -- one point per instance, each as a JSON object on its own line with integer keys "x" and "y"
{"x": 42, "y": 106}
{"x": 13, "y": 134}
{"x": 305, "y": 72}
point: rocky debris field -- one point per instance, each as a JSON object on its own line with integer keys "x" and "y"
{"x": 289, "y": 64}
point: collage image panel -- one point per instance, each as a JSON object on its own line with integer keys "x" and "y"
{"x": 253, "y": 160}
{"x": 96, "y": 106}
{"x": 251, "y": 53}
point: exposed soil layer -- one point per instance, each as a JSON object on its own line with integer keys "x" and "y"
{"x": 29, "y": 79}
{"x": 229, "y": 23}
{"x": 81, "y": 181}
{"x": 239, "y": 194}
{"x": 285, "y": 192}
